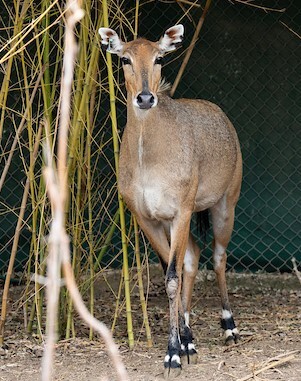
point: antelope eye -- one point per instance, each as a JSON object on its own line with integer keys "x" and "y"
{"x": 125, "y": 61}
{"x": 159, "y": 61}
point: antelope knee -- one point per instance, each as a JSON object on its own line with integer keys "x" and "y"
{"x": 219, "y": 257}
{"x": 191, "y": 263}
{"x": 172, "y": 285}
{"x": 172, "y": 281}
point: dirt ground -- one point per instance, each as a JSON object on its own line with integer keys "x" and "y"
{"x": 267, "y": 308}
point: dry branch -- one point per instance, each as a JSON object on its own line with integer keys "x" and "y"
{"x": 271, "y": 363}
{"x": 57, "y": 186}
{"x": 190, "y": 49}
{"x": 290, "y": 29}
{"x": 266, "y": 9}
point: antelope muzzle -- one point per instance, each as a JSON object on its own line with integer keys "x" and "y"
{"x": 145, "y": 100}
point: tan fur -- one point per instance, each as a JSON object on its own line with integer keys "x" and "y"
{"x": 180, "y": 157}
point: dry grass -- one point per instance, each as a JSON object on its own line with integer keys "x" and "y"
{"x": 267, "y": 309}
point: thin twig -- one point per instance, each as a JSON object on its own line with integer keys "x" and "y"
{"x": 273, "y": 364}
{"x": 291, "y": 30}
{"x": 90, "y": 320}
{"x": 266, "y": 9}
{"x": 190, "y": 49}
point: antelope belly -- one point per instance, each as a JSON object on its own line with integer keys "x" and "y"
{"x": 157, "y": 203}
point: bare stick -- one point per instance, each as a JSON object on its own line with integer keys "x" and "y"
{"x": 89, "y": 319}
{"x": 266, "y": 9}
{"x": 57, "y": 186}
{"x": 290, "y": 29}
{"x": 297, "y": 272}
{"x": 273, "y": 364}
{"x": 190, "y": 49}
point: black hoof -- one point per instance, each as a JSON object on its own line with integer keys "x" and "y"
{"x": 172, "y": 366}
{"x": 189, "y": 354}
{"x": 232, "y": 339}
{"x": 171, "y": 373}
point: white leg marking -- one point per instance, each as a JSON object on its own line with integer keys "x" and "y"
{"x": 188, "y": 261}
{"x": 176, "y": 358}
{"x": 231, "y": 332}
{"x": 191, "y": 346}
{"x": 186, "y": 316}
{"x": 172, "y": 287}
{"x": 228, "y": 332}
{"x": 226, "y": 314}
{"x": 219, "y": 251}
{"x": 166, "y": 358}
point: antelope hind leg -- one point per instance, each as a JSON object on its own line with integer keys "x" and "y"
{"x": 222, "y": 222}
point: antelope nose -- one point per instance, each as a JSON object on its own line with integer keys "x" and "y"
{"x": 145, "y": 100}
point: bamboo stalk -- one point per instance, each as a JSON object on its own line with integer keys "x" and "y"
{"x": 91, "y": 263}
{"x": 116, "y": 313}
{"x": 190, "y": 49}
{"x": 46, "y": 55}
{"x": 140, "y": 286}
{"x": 19, "y": 130}
{"x": 136, "y": 19}
{"x": 31, "y": 317}
{"x": 76, "y": 227}
{"x": 120, "y": 201}
{"x": 15, "y": 246}
{"x": 6, "y": 79}
{"x": 89, "y": 197}
{"x": 23, "y": 34}
{"x": 108, "y": 239}
{"x": 40, "y": 265}
{"x": 69, "y": 304}
{"x": 86, "y": 90}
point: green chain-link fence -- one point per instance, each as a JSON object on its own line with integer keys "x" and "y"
{"x": 247, "y": 60}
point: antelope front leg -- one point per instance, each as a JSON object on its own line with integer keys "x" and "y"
{"x": 191, "y": 262}
{"x": 178, "y": 244}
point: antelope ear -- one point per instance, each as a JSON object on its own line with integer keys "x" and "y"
{"x": 172, "y": 38}
{"x": 110, "y": 40}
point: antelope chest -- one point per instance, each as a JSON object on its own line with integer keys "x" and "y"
{"x": 154, "y": 200}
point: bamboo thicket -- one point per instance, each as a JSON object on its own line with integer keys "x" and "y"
{"x": 31, "y": 57}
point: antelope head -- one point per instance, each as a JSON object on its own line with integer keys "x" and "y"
{"x": 142, "y": 60}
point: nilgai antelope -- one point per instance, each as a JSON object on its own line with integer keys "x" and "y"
{"x": 177, "y": 157}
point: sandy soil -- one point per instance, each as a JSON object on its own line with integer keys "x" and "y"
{"x": 267, "y": 309}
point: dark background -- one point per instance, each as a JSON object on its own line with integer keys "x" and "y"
{"x": 248, "y": 63}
